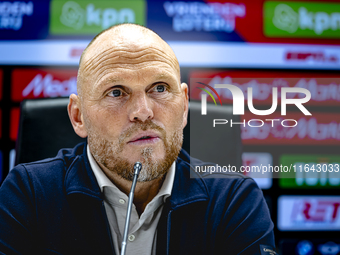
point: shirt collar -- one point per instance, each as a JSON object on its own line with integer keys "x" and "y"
{"x": 104, "y": 181}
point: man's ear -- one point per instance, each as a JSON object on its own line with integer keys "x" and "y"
{"x": 76, "y": 116}
{"x": 184, "y": 88}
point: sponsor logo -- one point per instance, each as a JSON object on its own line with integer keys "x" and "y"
{"x": 311, "y": 171}
{"x": 48, "y": 87}
{"x": 317, "y": 211}
{"x": 200, "y": 16}
{"x": 91, "y": 17}
{"x": 12, "y": 13}
{"x": 308, "y": 213}
{"x": 43, "y": 83}
{"x": 301, "y": 19}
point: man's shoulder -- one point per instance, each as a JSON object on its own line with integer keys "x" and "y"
{"x": 52, "y": 168}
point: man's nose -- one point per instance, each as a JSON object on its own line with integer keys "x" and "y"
{"x": 141, "y": 108}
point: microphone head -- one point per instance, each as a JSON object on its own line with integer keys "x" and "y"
{"x": 137, "y": 167}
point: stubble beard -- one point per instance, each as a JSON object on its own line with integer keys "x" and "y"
{"x": 108, "y": 153}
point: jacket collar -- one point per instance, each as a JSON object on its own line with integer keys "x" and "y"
{"x": 80, "y": 179}
{"x": 79, "y": 176}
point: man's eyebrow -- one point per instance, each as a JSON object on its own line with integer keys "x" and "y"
{"x": 163, "y": 76}
{"x": 109, "y": 80}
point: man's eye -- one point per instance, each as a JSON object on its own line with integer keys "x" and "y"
{"x": 115, "y": 93}
{"x": 160, "y": 88}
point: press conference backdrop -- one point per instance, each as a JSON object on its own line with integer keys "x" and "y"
{"x": 258, "y": 44}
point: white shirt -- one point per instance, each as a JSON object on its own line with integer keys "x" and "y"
{"x": 142, "y": 230}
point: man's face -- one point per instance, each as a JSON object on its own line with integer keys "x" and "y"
{"x": 134, "y": 108}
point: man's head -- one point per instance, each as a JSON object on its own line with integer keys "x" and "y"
{"x": 130, "y": 104}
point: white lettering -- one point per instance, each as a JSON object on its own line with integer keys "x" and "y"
{"x": 93, "y": 15}
{"x": 255, "y": 120}
{"x": 196, "y": 16}
{"x": 237, "y": 123}
{"x": 318, "y": 21}
{"x": 11, "y": 14}
{"x": 322, "y": 22}
{"x": 238, "y": 98}
{"x": 261, "y": 112}
{"x": 219, "y": 121}
{"x": 110, "y": 17}
{"x": 126, "y": 15}
{"x": 282, "y": 122}
{"x": 50, "y": 87}
{"x": 306, "y": 19}
{"x": 297, "y": 102}
{"x": 272, "y": 121}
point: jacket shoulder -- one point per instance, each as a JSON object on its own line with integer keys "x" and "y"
{"x": 50, "y": 168}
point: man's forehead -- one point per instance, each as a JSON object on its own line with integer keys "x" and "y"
{"x": 129, "y": 38}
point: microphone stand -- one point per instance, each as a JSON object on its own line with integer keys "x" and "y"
{"x": 137, "y": 167}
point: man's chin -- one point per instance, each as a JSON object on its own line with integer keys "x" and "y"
{"x": 154, "y": 165}
{"x": 145, "y": 155}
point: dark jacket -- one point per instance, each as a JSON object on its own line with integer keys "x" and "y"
{"x": 55, "y": 206}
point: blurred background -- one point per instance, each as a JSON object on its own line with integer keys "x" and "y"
{"x": 258, "y": 43}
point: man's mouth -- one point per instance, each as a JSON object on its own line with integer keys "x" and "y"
{"x": 144, "y": 138}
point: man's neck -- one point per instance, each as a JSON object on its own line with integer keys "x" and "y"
{"x": 144, "y": 191}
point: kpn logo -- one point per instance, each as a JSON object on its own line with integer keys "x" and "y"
{"x": 302, "y": 19}
{"x": 239, "y": 102}
{"x": 84, "y": 17}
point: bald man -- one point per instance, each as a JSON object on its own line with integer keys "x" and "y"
{"x": 131, "y": 106}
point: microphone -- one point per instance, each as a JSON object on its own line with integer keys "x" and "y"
{"x": 137, "y": 167}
